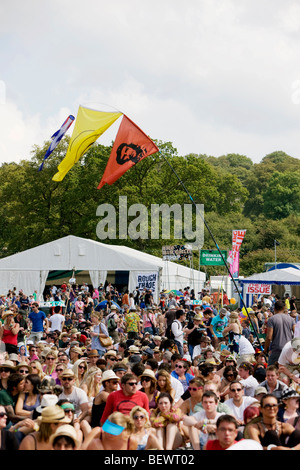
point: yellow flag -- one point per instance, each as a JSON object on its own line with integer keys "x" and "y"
{"x": 89, "y": 125}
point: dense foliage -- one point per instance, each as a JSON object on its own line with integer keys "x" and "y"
{"x": 263, "y": 198}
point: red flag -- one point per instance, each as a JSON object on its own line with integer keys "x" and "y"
{"x": 130, "y": 147}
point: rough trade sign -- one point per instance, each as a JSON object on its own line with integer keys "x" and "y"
{"x": 261, "y": 289}
{"x": 147, "y": 281}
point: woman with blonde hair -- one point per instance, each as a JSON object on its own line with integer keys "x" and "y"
{"x": 80, "y": 369}
{"x": 36, "y": 368}
{"x": 234, "y": 331}
{"x": 92, "y": 383}
{"x": 50, "y": 364}
{"x": 115, "y": 434}
{"x": 142, "y": 430}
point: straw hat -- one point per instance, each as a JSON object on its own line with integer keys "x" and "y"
{"x": 67, "y": 373}
{"x": 93, "y": 353}
{"x": 197, "y": 317}
{"x": 8, "y": 365}
{"x": 110, "y": 352}
{"x": 65, "y": 430}
{"x": 23, "y": 364}
{"x": 53, "y": 414}
{"x": 109, "y": 375}
{"x": 47, "y": 400}
{"x": 7, "y": 313}
{"x": 133, "y": 349}
{"x": 148, "y": 373}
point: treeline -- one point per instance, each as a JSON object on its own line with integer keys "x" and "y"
{"x": 263, "y": 198}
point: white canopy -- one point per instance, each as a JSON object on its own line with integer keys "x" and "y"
{"x": 29, "y": 269}
{"x": 287, "y": 276}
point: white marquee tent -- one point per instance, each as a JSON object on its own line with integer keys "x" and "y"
{"x": 29, "y": 269}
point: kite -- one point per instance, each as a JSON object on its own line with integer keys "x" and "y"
{"x": 131, "y": 146}
{"x": 90, "y": 124}
{"x": 57, "y": 136}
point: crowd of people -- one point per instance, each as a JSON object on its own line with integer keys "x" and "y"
{"x": 108, "y": 371}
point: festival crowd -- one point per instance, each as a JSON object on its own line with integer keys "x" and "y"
{"x": 103, "y": 370}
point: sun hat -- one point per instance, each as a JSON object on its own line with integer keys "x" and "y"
{"x": 112, "y": 428}
{"x": 53, "y": 414}
{"x": 133, "y": 349}
{"x": 7, "y": 313}
{"x": 13, "y": 357}
{"x": 260, "y": 390}
{"x": 23, "y": 364}
{"x": 65, "y": 430}
{"x": 109, "y": 375}
{"x": 148, "y": 352}
{"x": 197, "y": 317}
{"x": 156, "y": 338}
{"x": 67, "y": 373}
{"x": 8, "y": 365}
{"x": 290, "y": 393}
{"x": 148, "y": 373}
{"x": 110, "y": 352}
{"x": 93, "y": 353}
{"x": 47, "y": 400}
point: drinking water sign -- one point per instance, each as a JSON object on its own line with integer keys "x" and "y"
{"x": 212, "y": 257}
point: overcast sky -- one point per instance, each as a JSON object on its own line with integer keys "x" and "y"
{"x": 212, "y": 77}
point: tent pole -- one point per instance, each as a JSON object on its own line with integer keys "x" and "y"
{"x": 216, "y": 244}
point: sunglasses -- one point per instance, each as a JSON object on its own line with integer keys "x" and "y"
{"x": 146, "y": 379}
{"x": 50, "y": 358}
{"x": 111, "y": 358}
{"x": 194, "y": 389}
{"x": 178, "y": 367}
{"x": 131, "y": 384}
{"x": 81, "y": 367}
{"x": 236, "y": 390}
{"x": 2, "y": 414}
{"x": 23, "y": 371}
{"x": 139, "y": 417}
{"x": 59, "y": 370}
{"x": 114, "y": 382}
{"x": 230, "y": 375}
{"x": 69, "y": 379}
{"x": 269, "y": 406}
{"x": 5, "y": 370}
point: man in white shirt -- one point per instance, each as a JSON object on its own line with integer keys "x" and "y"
{"x": 250, "y": 383}
{"x": 289, "y": 360}
{"x": 57, "y": 320}
{"x": 74, "y": 394}
{"x": 238, "y": 402}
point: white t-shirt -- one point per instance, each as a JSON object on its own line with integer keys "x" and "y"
{"x": 56, "y": 322}
{"x": 78, "y": 397}
{"x": 238, "y": 411}
{"x": 245, "y": 347}
{"x": 250, "y": 384}
{"x": 288, "y": 356}
{"x": 178, "y": 387}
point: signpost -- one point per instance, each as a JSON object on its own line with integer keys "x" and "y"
{"x": 212, "y": 257}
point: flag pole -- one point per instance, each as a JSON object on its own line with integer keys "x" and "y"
{"x": 215, "y": 242}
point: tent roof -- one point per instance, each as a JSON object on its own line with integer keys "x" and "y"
{"x": 78, "y": 253}
{"x": 287, "y": 276}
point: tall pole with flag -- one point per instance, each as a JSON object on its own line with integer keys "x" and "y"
{"x": 276, "y": 243}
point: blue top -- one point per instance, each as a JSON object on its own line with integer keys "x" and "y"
{"x": 37, "y": 321}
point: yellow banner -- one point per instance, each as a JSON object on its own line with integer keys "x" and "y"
{"x": 89, "y": 125}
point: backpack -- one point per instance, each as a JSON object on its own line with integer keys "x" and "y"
{"x": 111, "y": 324}
{"x": 169, "y": 333}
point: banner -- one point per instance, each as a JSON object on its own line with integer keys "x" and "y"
{"x": 176, "y": 252}
{"x": 260, "y": 289}
{"x": 237, "y": 240}
{"x": 147, "y": 281}
{"x": 131, "y": 146}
